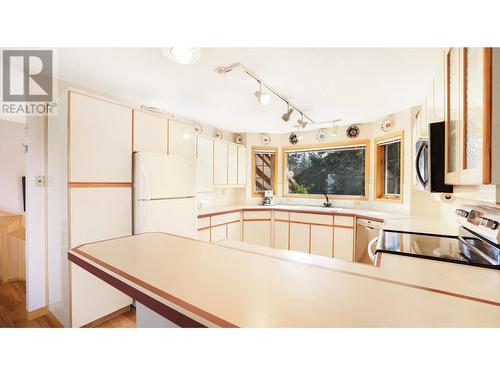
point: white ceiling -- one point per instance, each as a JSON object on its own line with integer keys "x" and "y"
{"x": 355, "y": 84}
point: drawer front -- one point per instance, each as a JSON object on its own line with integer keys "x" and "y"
{"x": 311, "y": 218}
{"x": 345, "y": 221}
{"x": 204, "y": 222}
{"x": 282, "y": 215}
{"x": 257, "y": 214}
{"x": 225, "y": 218}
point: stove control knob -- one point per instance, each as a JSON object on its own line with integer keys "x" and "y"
{"x": 490, "y": 224}
{"x": 461, "y": 212}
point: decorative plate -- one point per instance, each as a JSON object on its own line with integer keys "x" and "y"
{"x": 321, "y": 136}
{"x": 238, "y": 139}
{"x": 385, "y": 125}
{"x": 293, "y": 139}
{"x": 352, "y": 131}
{"x": 198, "y": 129}
{"x": 266, "y": 139}
{"x": 218, "y": 134}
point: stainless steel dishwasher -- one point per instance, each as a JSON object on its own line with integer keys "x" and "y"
{"x": 366, "y": 231}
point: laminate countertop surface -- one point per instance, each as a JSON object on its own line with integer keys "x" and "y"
{"x": 223, "y": 285}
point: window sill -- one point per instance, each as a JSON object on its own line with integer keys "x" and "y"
{"x": 390, "y": 198}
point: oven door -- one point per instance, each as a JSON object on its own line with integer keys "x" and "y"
{"x": 422, "y": 159}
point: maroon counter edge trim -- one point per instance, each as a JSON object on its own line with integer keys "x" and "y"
{"x": 167, "y": 312}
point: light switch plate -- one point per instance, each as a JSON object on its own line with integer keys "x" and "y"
{"x": 40, "y": 181}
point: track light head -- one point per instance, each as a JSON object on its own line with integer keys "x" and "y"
{"x": 301, "y": 121}
{"x": 262, "y": 97}
{"x": 287, "y": 114}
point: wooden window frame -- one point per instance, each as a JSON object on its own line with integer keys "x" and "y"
{"x": 274, "y": 171}
{"x": 379, "y": 171}
{"x": 320, "y": 146}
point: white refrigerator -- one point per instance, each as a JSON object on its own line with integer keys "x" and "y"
{"x": 164, "y": 194}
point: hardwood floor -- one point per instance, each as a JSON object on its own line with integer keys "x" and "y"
{"x": 13, "y": 311}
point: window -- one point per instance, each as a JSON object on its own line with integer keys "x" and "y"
{"x": 388, "y": 167}
{"x": 339, "y": 170}
{"x": 263, "y": 170}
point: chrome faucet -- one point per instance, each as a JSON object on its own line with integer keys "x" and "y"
{"x": 327, "y": 203}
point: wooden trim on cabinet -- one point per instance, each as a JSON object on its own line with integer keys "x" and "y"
{"x": 256, "y": 220}
{"x": 73, "y": 185}
{"x": 487, "y": 113}
{"x": 218, "y": 213}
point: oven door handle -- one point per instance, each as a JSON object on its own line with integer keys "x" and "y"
{"x": 371, "y": 253}
{"x": 476, "y": 250}
{"x": 417, "y": 167}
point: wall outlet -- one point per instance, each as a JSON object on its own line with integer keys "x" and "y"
{"x": 40, "y": 181}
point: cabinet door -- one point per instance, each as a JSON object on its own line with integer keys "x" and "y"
{"x": 100, "y": 140}
{"x": 150, "y": 132}
{"x": 476, "y": 116}
{"x": 220, "y": 163}
{"x": 321, "y": 240}
{"x": 281, "y": 235}
{"x": 299, "y": 237}
{"x": 99, "y": 214}
{"x": 218, "y": 233}
{"x": 257, "y": 233}
{"x": 205, "y": 165}
{"x": 343, "y": 243}
{"x": 234, "y": 231}
{"x": 242, "y": 165}
{"x": 204, "y": 235}
{"x": 232, "y": 164}
{"x": 182, "y": 139}
{"x": 439, "y": 93}
{"x": 453, "y": 116}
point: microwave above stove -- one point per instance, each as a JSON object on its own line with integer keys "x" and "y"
{"x": 430, "y": 161}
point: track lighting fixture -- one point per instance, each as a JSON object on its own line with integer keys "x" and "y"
{"x": 301, "y": 121}
{"x": 287, "y": 114}
{"x": 262, "y": 97}
{"x": 334, "y": 127}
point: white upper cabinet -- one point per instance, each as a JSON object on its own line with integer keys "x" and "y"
{"x": 242, "y": 165}
{"x": 232, "y": 164}
{"x": 182, "y": 139}
{"x": 150, "y": 132}
{"x": 205, "y": 164}
{"x": 100, "y": 137}
{"x": 220, "y": 163}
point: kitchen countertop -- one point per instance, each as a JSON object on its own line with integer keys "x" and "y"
{"x": 379, "y": 215}
{"x": 221, "y": 285}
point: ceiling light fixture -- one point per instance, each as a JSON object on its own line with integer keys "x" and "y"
{"x": 334, "y": 127}
{"x": 262, "y": 97}
{"x": 287, "y": 114}
{"x": 182, "y": 55}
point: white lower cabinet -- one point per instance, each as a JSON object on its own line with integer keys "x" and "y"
{"x": 218, "y": 233}
{"x": 299, "y": 237}
{"x": 257, "y": 232}
{"x": 234, "y": 231}
{"x": 321, "y": 240}
{"x": 343, "y": 243}
{"x": 204, "y": 235}
{"x": 281, "y": 235}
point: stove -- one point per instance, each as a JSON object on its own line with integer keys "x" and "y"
{"x": 477, "y": 243}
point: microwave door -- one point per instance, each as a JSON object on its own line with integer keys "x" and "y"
{"x": 422, "y": 165}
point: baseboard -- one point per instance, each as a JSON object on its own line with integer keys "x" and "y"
{"x": 53, "y": 320}
{"x": 107, "y": 317}
{"x": 30, "y": 315}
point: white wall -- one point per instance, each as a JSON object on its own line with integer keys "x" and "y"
{"x": 35, "y": 217}
{"x": 12, "y": 165}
